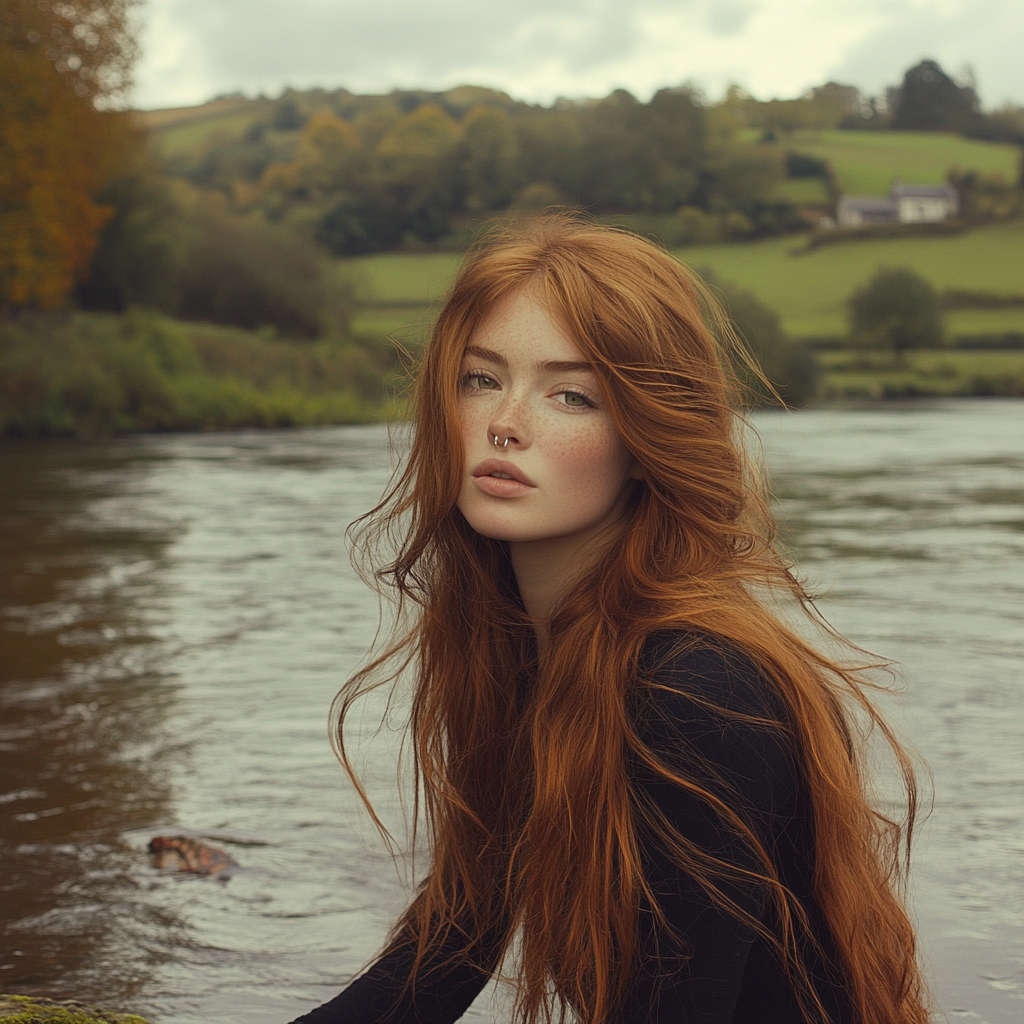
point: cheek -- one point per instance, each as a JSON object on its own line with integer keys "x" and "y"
{"x": 473, "y": 421}
{"x": 595, "y": 464}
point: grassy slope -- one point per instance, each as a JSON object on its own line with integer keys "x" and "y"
{"x": 869, "y": 375}
{"x": 866, "y": 162}
{"x": 809, "y": 291}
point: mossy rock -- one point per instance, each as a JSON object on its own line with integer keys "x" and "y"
{"x": 34, "y": 1010}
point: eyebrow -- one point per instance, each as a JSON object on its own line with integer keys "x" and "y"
{"x": 550, "y": 365}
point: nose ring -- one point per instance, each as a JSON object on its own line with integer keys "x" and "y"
{"x": 504, "y": 444}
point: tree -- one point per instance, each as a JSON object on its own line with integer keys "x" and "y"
{"x": 490, "y": 157}
{"x": 59, "y": 64}
{"x": 416, "y": 166}
{"x": 929, "y": 100}
{"x": 897, "y": 310}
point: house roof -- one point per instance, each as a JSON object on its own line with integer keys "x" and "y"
{"x": 867, "y": 204}
{"x": 922, "y": 192}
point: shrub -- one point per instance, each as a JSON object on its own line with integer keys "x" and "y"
{"x": 187, "y": 257}
{"x": 95, "y": 374}
{"x": 791, "y": 366}
{"x": 898, "y": 310}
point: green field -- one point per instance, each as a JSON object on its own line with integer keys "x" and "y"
{"x": 866, "y": 162}
{"x": 190, "y": 134}
{"x": 809, "y": 291}
{"x": 856, "y": 375}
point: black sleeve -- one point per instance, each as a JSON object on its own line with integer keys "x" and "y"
{"x": 445, "y": 987}
{"x": 696, "y": 719}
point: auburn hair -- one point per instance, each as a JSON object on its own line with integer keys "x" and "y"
{"x": 522, "y": 755}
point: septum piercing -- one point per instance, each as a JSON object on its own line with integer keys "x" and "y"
{"x": 504, "y": 445}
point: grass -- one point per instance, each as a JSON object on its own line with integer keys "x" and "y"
{"x": 93, "y": 374}
{"x": 405, "y": 278}
{"x": 192, "y": 136}
{"x": 926, "y": 373}
{"x": 866, "y": 162}
{"x": 805, "y": 192}
{"x": 808, "y": 291}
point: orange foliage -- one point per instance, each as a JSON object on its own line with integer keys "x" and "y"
{"x": 56, "y": 148}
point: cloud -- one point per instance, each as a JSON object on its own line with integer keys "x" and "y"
{"x": 540, "y": 49}
{"x": 730, "y": 16}
{"x": 985, "y": 35}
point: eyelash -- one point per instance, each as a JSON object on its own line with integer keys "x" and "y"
{"x": 478, "y": 375}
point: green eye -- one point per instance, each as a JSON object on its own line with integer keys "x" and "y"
{"x": 575, "y": 400}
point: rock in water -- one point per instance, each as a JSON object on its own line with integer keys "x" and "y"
{"x": 30, "y": 1010}
{"x": 179, "y": 853}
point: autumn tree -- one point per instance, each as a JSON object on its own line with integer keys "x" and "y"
{"x": 62, "y": 67}
{"x": 416, "y": 167}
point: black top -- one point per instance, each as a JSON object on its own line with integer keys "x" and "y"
{"x": 732, "y": 975}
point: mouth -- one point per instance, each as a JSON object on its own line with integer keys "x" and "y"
{"x": 501, "y": 469}
{"x": 502, "y": 479}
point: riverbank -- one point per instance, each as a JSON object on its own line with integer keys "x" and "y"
{"x": 32, "y": 1010}
{"x": 93, "y": 375}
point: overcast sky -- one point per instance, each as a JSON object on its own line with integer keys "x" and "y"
{"x": 538, "y": 50}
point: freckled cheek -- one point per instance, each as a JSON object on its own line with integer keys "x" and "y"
{"x": 472, "y": 422}
{"x": 591, "y": 466}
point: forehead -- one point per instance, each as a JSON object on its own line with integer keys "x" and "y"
{"x": 521, "y": 327}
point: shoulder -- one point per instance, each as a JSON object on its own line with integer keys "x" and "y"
{"x": 681, "y": 667}
{"x": 704, "y": 709}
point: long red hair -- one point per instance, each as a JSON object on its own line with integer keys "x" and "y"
{"x": 521, "y": 756}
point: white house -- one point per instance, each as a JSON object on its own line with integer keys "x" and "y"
{"x": 918, "y": 204}
{"x": 906, "y": 204}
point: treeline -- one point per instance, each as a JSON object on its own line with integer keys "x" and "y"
{"x": 371, "y": 172}
{"x": 927, "y": 100}
{"x": 363, "y": 173}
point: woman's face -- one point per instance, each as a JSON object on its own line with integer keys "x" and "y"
{"x": 559, "y": 468}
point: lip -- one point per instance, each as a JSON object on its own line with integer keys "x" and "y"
{"x": 518, "y": 484}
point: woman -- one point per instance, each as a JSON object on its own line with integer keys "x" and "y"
{"x": 642, "y": 788}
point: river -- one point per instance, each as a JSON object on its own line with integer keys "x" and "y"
{"x": 178, "y": 612}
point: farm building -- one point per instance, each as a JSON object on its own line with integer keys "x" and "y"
{"x": 906, "y": 204}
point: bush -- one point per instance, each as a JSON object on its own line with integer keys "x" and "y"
{"x": 95, "y": 374}
{"x": 187, "y": 257}
{"x": 248, "y": 274}
{"x": 804, "y": 165}
{"x": 897, "y": 310}
{"x": 792, "y": 367}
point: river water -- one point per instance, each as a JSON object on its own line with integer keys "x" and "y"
{"x": 178, "y": 612}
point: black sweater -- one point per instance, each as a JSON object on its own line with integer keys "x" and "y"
{"x": 726, "y": 973}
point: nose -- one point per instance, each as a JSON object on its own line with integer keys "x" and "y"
{"x": 508, "y": 428}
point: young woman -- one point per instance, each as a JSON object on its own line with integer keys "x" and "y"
{"x": 643, "y": 789}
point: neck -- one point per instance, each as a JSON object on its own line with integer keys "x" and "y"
{"x": 545, "y": 570}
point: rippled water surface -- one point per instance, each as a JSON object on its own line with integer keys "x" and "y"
{"x": 179, "y": 611}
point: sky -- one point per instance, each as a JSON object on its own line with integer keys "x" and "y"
{"x": 538, "y": 50}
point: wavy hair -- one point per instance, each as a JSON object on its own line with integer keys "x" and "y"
{"x": 522, "y": 755}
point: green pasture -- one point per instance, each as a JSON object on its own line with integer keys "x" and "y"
{"x": 191, "y": 136}
{"x": 925, "y": 373}
{"x": 404, "y": 278}
{"x": 805, "y": 192}
{"x": 809, "y": 290}
{"x": 866, "y": 162}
